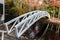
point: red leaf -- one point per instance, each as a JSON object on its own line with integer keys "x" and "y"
{"x": 52, "y": 3}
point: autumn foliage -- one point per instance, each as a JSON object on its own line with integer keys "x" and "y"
{"x": 55, "y": 3}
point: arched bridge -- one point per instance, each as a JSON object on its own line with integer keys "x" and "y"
{"x": 24, "y": 22}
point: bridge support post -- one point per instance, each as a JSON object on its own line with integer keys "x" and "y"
{"x": 2, "y": 36}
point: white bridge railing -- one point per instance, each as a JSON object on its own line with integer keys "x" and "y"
{"x": 24, "y": 22}
{"x": 28, "y": 22}
{"x": 17, "y": 20}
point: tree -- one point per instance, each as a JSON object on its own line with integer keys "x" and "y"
{"x": 10, "y": 11}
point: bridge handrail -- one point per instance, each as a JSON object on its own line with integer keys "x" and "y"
{"x": 29, "y": 25}
{"x": 33, "y": 16}
{"x": 18, "y": 17}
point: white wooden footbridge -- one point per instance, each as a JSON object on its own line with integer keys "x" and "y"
{"x": 22, "y": 23}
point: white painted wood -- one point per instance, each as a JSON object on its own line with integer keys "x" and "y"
{"x": 1, "y": 1}
{"x": 37, "y": 15}
{"x": 21, "y": 25}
